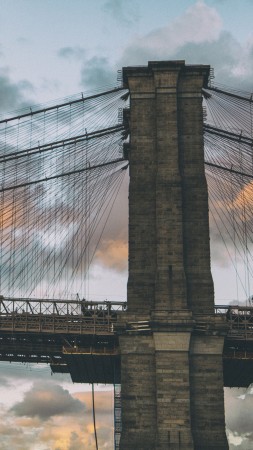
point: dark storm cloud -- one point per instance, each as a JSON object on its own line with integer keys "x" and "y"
{"x": 233, "y": 64}
{"x": 69, "y": 431}
{"x": 97, "y": 72}
{"x": 71, "y": 53}
{"x": 124, "y": 12}
{"x": 13, "y": 95}
{"x": 222, "y": 52}
{"x": 45, "y": 401}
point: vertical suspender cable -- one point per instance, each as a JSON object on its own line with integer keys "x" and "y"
{"x": 94, "y": 417}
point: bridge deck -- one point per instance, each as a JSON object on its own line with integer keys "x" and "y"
{"x": 79, "y": 337}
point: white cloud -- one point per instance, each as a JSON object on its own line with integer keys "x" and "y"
{"x": 199, "y": 23}
{"x": 239, "y": 420}
{"x": 198, "y": 37}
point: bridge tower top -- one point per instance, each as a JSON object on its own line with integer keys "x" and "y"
{"x": 165, "y": 69}
{"x": 169, "y": 254}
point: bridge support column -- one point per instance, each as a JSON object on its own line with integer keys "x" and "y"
{"x": 173, "y": 391}
{"x": 138, "y": 392}
{"x": 207, "y": 401}
{"x": 165, "y": 404}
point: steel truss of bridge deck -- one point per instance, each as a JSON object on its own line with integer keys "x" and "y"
{"x": 79, "y": 337}
{"x": 239, "y": 319}
{"x": 88, "y": 317}
{"x": 73, "y": 336}
{"x": 58, "y": 316}
{"x": 238, "y": 345}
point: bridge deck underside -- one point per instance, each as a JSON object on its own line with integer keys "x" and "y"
{"x": 93, "y": 358}
{"x": 238, "y": 362}
{"x": 88, "y": 358}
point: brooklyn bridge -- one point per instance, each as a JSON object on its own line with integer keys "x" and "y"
{"x": 169, "y": 349}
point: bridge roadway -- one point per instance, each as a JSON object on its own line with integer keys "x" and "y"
{"x": 81, "y": 338}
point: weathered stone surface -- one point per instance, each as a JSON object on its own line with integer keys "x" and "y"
{"x": 172, "y": 391}
{"x": 138, "y": 392}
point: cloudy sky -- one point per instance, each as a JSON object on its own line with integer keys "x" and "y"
{"x": 51, "y": 49}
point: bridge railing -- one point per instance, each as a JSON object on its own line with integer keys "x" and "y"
{"x": 239, "y": 318}
{"x": 10, "y": 305}
{"x": 58, "y": 316}
{"x": 82, "y": 316}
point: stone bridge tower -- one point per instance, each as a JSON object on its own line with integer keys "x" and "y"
{"x": 171, "y": 344}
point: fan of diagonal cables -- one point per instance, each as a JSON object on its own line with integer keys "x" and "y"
{"x": 61, "y": 171}
{"x": 228, "y": 133}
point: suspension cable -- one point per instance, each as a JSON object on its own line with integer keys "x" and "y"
{"x": 60, "y": 175}
{"x": 94, "y": 416}
{"x": 61, "y": 105}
